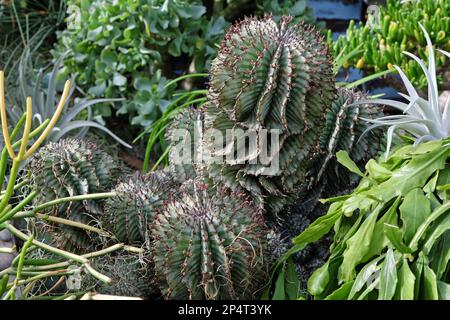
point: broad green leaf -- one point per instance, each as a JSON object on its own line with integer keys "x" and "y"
{"x": 279, "y": 293}
{"x": 377, "y": 172}
{"x": 344, "y": 159}
{"x": 431, "y": 185}
{"x": 292, "y": 285}
{"x": 417, "y": 269}
{"x": 438, "y": 228}
{"x": 413, "y": 211}
{"x": 119, "y": 80}
{"x": 435, "y": 215}
{"x": 395, "y": 236}
{"x": 412, "y": 175}
{"x": 443, "y": 290}
{"x": 388, "y": 277}
{"x": 342, "y": 293}
{"x": 364, "y": 275}
{"x": 430, "y": 289}
{"x": 406, "y": 281}
{"x": 379, "y": 239}
{"x": 357, "y": 247}
{"x": 318, "y": 281}
{"x": 440, "y": 255}
{"x": 319, "y": 227}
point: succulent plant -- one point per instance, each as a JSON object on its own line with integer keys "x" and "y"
{"x": 67, "y": 168}
{"x": 130, "y": 274}
{"x": 278, "y": 77}
{"x": 183, "y": 133}
{"x": 346, "y": 128}
{"x": 128, "y": 214}
{"x": 208, "y": 245}
{"x": 391, "y": 30}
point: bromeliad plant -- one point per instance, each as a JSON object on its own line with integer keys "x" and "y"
{"x": 28, "y": 272}
{"x": 392, "y": 233}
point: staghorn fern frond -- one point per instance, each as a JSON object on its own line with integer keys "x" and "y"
{"x": 423, "y": 119}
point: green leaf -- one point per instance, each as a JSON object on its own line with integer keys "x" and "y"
{"x": 318, "y": 281}
{"x": 357, "y": 247}
{"x": 344, "y": 159}
{"x": 319, "y": 227}
{"x": 279, "y": 293}
{"x": 377, "y": 172}
{"x": 119, "y": 80}
{"x": 443, "y": 290}
{"x": 388, "y": 277}
{"x": 395, "y": 236}
{"x": 413, "y": 211}
{"x": 379, "y": 238}
{"x": 430, "y": 289}
{"x": 292, "y": 285}
{"x": 364, "y": 275}
{"x": 412, "y": 175}
{"x": 342, "y": 293}
{"x": 406, "y": 281}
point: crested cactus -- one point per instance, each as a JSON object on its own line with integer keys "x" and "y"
{"x": 276, "y": 78}
{"x": 128, "y": 214}
{"x": 183, "y": 131}
{"x": 208, "y": 245}
{"x": 67, "y": 168}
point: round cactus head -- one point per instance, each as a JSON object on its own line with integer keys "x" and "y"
{"x": 68, "y": 168}
{"x": 128, "y": 214}
{"x": 209, "y": 245}
{"x": 273, "y": 75}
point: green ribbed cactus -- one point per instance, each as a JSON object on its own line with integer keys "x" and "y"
{"x": 271, "y": 76}
{"x": 67, "y": 168}
{"x": 345, "y": 130}
{"x": 209, "y": 245}
{"x": 128, "y": 214}
{"x": 183, "y": 131}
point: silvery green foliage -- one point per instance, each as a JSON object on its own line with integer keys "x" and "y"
{"x": 422, "y": 118}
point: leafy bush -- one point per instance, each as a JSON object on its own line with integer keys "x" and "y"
{"x": 127, "y": 48}
{"x": 383, "y": 39}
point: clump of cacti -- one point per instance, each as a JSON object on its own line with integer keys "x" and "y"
{"x": 128, "y": 214}
{"x": 278, "y": 77}
{"x": 209, "y": 245}
{"x": 68, "y": 168}
{"x": 184, "y": 136}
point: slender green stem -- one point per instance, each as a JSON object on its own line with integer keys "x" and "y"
{"x": 74, "y": 198}
{"x": 10, "y": 213}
